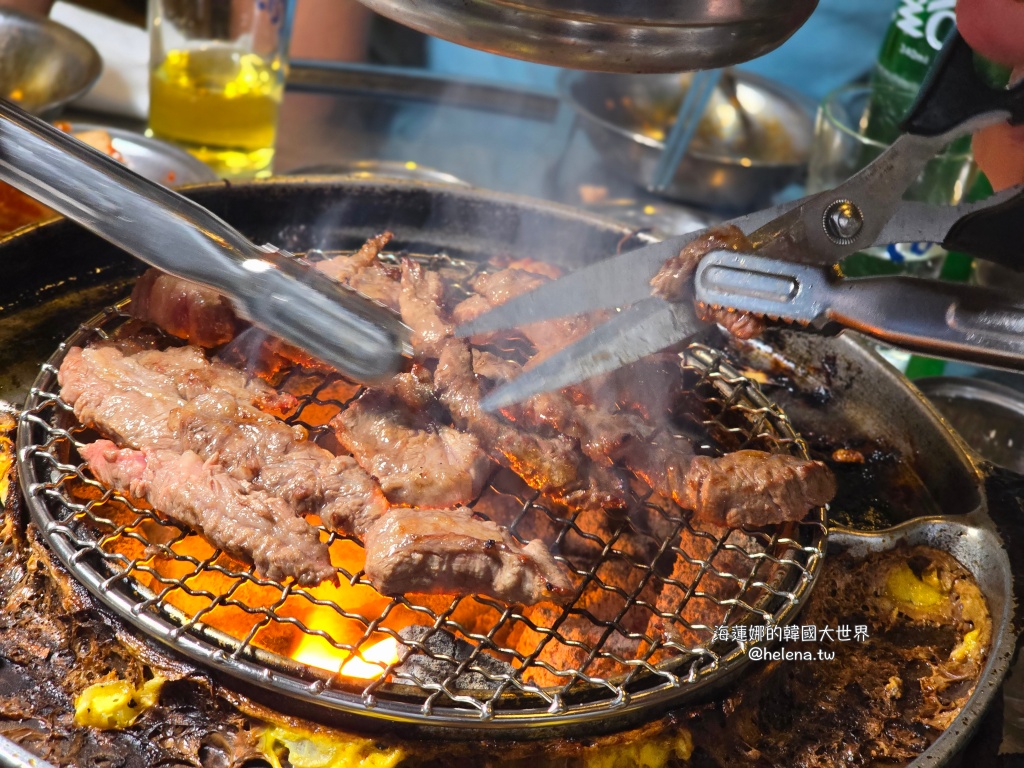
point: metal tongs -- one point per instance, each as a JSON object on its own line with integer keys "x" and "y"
{"x": 269, "y": 286}
{"x": 791, "y": 274}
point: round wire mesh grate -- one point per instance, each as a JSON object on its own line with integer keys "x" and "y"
{"x": 640, "y": 636}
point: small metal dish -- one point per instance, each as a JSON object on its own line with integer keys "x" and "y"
{"x": 156, "y": 160}
{"x": 43, "y": 64}
{"x": 372, "y": 170}
{"x": 989, "y": 416}
{"x": 609, "y": 35}
{"x": 736, "y": 162}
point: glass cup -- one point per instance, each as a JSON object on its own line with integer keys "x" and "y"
{"x": 216, "y": 79}
{"x": 840, "y": 149}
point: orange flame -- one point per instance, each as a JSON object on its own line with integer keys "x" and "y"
{"x": 369, "y": 664}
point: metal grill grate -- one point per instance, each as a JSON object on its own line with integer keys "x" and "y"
{"x": 639, "y": 637}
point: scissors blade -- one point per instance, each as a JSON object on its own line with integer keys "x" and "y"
{"x": 615, "y": 282}
{"x": 611, "y": 283}
{"x": 641, "y": 330}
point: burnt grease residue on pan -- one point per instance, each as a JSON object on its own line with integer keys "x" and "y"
{"x": 877, "y": 488}
{"x": 882, "y": 699}
{"x": 878, "y": 485}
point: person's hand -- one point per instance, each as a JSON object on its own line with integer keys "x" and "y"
{"x": 995, "y": 29}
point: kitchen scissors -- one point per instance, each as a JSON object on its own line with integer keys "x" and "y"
{"x": 791, "y": 273}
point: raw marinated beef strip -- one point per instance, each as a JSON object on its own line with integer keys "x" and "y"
{"x": 417, "y": 461}
{"x": 255, "y": 526}
{"x": 456, "y": 552}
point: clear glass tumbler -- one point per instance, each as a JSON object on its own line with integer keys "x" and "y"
{"x": 217, "y": 72}
{"x": 840, "y": 149}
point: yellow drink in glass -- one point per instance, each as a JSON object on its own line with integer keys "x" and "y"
{"x": 221, "y": 105}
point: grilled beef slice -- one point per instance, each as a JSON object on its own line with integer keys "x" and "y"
{"x": 673, "y": 280}
{"x": 755, "y": 488}
{"x": 416, "y": 460}
{"x": 252, "y": 457}
{"x": 253, "y": 525}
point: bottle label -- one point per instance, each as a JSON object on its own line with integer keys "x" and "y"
{"x": 908, "y": 253}
{"x": 930, "y": 21}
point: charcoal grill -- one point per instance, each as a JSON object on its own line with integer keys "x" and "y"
{"x": 170, "y": 584}
{"x": 833, "y": 387}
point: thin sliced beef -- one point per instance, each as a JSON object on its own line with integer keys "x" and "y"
{"x": 193, "y": 374}
{"x": 755, "y": 488}
{"x": 363, "y": 271}
{"x": 204, "y": 317}
{"x": 606, "y": 435}
{"x": 551, "y": 465}
{"x": 126, "y": 402}
{"x": 277, "y": 458}
{"x": 449, "y": 560}
{"x": 421, "y": 302}
{"x": 456, "y": 552}
{"x": 184, "y": 309}
{"x": 262, "y": 472}
{"x": 254, "y": 526}
{"x": 495, "y": 288}
{"x": 674, "y": 281}
{"x": 128, "y": 397}
{"x": 417, "y": 461}
{"x": 179, "y": 400}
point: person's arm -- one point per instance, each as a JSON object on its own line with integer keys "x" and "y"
{"x": 37, "y": 7}
{"x": 337, "y": 30}
{"x": 995, "y": 29}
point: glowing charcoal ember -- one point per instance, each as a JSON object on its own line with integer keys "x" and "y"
{"x": 434, "y": 656}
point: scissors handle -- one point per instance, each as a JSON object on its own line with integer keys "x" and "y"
{"x": 994, "y": 234}
{"x": 955, "y": 92}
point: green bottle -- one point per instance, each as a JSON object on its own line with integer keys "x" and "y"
{"x": 916, "y": 35}
{"x": 957, "y": 269}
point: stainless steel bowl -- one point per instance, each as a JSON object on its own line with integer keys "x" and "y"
{"x": 609, "y": 35}
{"x": 43, "y": 64}
{"x": 732, "y": 164}
{"x": 378, "y": 170}
{"x": 156, "y": 160}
